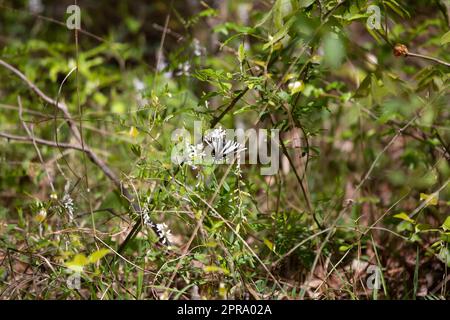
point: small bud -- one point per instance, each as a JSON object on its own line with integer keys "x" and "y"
{"x": 400, "y": 50}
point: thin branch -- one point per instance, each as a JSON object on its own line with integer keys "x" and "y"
{"x": 417, "y": 55}
{"x": 40, "y": 141}
{"x": 434, "y": 195}
{"x": 31, "y": 135}
{"x": 233, "y": 102}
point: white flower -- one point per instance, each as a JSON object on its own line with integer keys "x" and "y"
{"x": 195, "y": 154}
{"x": 230, "y": 147}
{"x": 163, "y": 232}
{"x": 42, "y": 214}
{"x": 221, "y": 147}
{"x": 35, "y": 6}
{"x": 139, "y": 87}
{"x": 146, "y": 214}
{"x": 147, "y": 221}
{"x": 296, "y": 86}
{"x": 68, "y": 204}
{"x": 217, "y": 144}
{"x": 138, "y": 84}
{"x": 215, "y": 134}
{"x": 197, "y": 48}
{"x": 184, "y": 67}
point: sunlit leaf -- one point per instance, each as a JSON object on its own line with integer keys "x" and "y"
{"x": 431, "y": 199}
{"x": 269, "y": 244}
{"x": 97, "y": 255}
{"x": 446, "y": 224}
{"x": 41, "y": 215}
{"x": 133, "y": 132}
{"x": 306, "y": 3}
{"x": 216, "y": 269}
{"x": 296, "y": 86}
{"x": 445, "y": 38}
{"x": 77, "y": 263}
{"x": 241, "y": 53}
{"x": 404, "y": 217}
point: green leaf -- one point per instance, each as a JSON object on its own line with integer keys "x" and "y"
{"x": 264, "y": 19}
{"x": 404, "y": 217}
{"x": 97, "y": 255}
{"x": 422, "y": 227}
{"x": 78, "y": 262}
{"x": 216, "y": 269}
{"x": 269, "y": 244}
{"x": 444, "y": 255}
{"x": 136, "y": 149}
{"x": 278, "y": 13}
{"x": 133, "y": 133}
{"x": 445, "y": 237}
{"x": 334, "y": 50}
{"x": 282, "y": 32}
{"x": 296, "y": 86}
{"x": 210, "y": 12}
{"x": 306, "y": 3}
{"x": 118, "y": 107}
{"x": 241, "y": 53}
{"x": 432, "y": 199}
{"x": 132, "y": 24}
{"x": 344, "y": 248}
{"x": 230, "y": 26}
{"x": 397, "y": 8}
{"x": 446, "y": 224}
{"x": 445, "y": 38}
